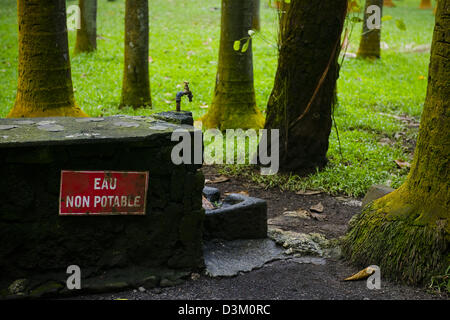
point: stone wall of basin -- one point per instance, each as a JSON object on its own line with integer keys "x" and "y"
{"x": 35, "y": 239}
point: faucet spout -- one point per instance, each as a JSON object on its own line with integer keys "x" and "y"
{"x": 187, "y": 92}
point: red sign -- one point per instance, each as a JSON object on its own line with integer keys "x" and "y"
{"x": 103, "y": 193}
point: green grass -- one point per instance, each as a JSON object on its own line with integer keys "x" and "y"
{"x": 184, "y": 41}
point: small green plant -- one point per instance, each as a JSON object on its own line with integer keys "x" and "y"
{"x": 441, "y": 283}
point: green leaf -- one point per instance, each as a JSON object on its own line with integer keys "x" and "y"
{"x": 245, "y": 46}
{"x": 287, "y": 1}
{"x": 400, "y": 24}
{"x": 237, "y": 45}
{"x": 386, "y": 18}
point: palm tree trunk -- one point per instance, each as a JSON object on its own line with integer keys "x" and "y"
{"x": 369, "y": 46}
{"x": 407, "y": 232}
{"x": 301, "y": 102}
{"x": 45, "y": 84}
{"x": 234, "y": 104}
{"x": 87, "y": 34}
{"x": 136, "y": 82}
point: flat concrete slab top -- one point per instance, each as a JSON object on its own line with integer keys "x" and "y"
{"x": 229, "y": 258}
{"x": 69, "y": 130}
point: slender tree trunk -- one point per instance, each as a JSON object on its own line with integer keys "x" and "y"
{"x": 234, "y": 104}
{"x": 369, "y": 46}
{"x": 301, "y": 102}
{"x": 45, "y": 84}
{"x": 87, "y": 34}
{"x": 136, "y": 82}
{"x": 407, "y": 232}
{"x": 425, "y": 4}
{"x": 256, "y": 24}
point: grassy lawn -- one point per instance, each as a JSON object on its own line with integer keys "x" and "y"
{"x": 184, "y": 43}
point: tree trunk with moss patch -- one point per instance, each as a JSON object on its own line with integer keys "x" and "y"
{"x": 407, "y": 233}
{"x": 369, "y": 46}
{"x": 303, "y": 96}
{"x": 136, "y": 82}
{"x": 87, "y": 34}
{"x": 425, "y": 4}
{"x": 45, "y": 84}
{"x": 234, "y": 104}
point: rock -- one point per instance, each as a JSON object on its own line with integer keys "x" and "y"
{"x": 240, "y": 217}
{"x": 317, "y": 208}
{"x": 353, "y": 203}
{"x": 296, "y": 243}
{"x": 141, "y": 289}
{"x": 212, "y": 194}
{"x": 18, "y": 286}
{"x": 229, "y": 258}
{"x": 375, "y": 192}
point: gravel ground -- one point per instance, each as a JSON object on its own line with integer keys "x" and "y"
{"x": 279, "y": 280}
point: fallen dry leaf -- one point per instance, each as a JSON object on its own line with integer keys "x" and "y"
{"x": 308, "y": 192}
{"x": 244, "y": 193}
{"x": 363, "y": 274}
{"x": 402, "y": 164}
{"x": 206, "y": 204}
{"x": 317, "y": 208}
{"x": 300, "y": 213}
{"x": 219, "y": 179}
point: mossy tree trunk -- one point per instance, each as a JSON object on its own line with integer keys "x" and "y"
{"x": 406, "y": 233}
{"x": 45, "y": 84}
{"x": 256, "y": 23}
{"x": 369, "y": 46}
{"x": 87, "y": 34}
{"x": 302, "y": 99}
{"x": 136, "y": 81}
{"x": 425, "y": 4}
{"x": 234, "y": 104}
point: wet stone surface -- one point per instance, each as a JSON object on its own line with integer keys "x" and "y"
{"x": 67, "y": 130}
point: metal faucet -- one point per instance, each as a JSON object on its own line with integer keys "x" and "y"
{"x": 186, "y": 92}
